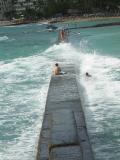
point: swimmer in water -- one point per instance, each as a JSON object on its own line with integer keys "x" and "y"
{"x": 87, "y": 74}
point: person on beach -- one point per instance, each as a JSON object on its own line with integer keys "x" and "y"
{"x": 57, "y": 69}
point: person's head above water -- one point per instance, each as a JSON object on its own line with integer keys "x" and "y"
{"x": 87, "y": 74}
{"x": 56, "y": 64}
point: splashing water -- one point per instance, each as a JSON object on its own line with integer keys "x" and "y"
{"x": 24, "y": 85}
{"x": 102, "y": 92}
{"x": 24, "y": 81}
{"x": 4, "y": 38}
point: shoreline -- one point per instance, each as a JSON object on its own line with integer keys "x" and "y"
{"x": 81, "y": 19}
{"x": 61, "y": 20}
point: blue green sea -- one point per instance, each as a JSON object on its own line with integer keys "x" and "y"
{"x": 27, "y": 55}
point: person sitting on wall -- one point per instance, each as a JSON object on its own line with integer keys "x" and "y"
{"x": 56, "y": 69}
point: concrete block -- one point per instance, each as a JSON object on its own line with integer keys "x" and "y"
{"x": 45, "y": 133}
{"x": 66, "y": 153}
{"x": 80, "y": 119}
{"x": 82, "y": 134}
{"x": 73, "y": 105}
{"x": 85, "y": 144}
{"x": 64, "y": 134}
{"x": 63, "y": 88}
{"x": 46, "y": 121}
{"x": 43, "y": 151}
{"x": 62, "y": 116}
{"x": 63, "y": 129}
{"x": 87, "y": 151}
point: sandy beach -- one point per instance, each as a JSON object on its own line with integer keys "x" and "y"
{"x": 62, "y": 20}
{"x": 78, "y": 19}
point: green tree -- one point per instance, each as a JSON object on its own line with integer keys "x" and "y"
{"x": 30, "y": 14}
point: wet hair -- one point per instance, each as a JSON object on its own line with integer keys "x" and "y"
{"x": 56, "y": 64}
{"x": 87, "y": 74}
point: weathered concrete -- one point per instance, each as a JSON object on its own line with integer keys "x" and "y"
{"x": 64, "y": 134}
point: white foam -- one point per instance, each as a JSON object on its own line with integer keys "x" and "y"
{"x": 62, "y": 52}
{"x": 28, "y": 139}
{"x": 4, "y": 38}
{"x": 102, "y": 96}
{"x": 23, "y": 90}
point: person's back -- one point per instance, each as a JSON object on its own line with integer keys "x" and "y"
{"x": 56, "y": 69}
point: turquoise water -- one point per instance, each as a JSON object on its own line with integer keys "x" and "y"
{"x": 27, "y": 54}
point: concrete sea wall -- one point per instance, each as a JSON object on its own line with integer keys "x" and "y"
{"x": 64, "y": 134}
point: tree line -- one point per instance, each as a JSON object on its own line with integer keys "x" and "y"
{"x": 83, "y": 6}
{"x": 53, "y": 7}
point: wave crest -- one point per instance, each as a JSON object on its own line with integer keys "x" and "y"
{"x": 4, "y": 38}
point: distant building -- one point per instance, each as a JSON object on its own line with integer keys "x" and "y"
{"x": 5, "y": 8}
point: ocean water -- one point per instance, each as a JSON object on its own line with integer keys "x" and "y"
{"x": 27, "y": 55}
